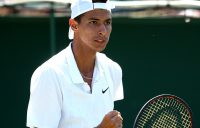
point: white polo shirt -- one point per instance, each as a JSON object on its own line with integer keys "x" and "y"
{"x": 61, "y": 99}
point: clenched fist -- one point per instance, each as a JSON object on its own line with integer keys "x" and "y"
{"x": 112, "y": 120}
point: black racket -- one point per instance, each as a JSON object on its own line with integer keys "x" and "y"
{"x": 164, "y": 111}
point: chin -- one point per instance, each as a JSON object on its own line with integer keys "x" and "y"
{"x": 100, "y": 49}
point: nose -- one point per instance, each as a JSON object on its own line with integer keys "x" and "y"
{"x": 102, "y": 30}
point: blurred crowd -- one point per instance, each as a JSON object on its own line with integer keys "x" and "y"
{"x": 35, "y": 9}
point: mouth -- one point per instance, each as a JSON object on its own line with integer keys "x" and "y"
{"x": 100, "y": 40}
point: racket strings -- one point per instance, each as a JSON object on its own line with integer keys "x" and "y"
{"x": 172, "y": 118}
{"x": 179, "y": 111}
{"x": 167, "y": 119}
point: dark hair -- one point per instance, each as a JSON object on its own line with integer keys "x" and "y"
{"x": 78, "y": 18}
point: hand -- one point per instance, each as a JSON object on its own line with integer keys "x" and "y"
{"x": 112, "y": 120}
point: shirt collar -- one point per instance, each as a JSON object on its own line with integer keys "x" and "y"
{"x": 74, "y": 71}
{"x": 99, "y": 67}
{"x": 73, "y": 68}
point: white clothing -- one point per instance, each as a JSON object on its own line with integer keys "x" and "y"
{"x": 60, "y": 98}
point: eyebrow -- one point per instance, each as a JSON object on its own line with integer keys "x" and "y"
{"x": 93, "y": 18}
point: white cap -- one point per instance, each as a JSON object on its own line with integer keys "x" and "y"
{"x": 79, "y": 7}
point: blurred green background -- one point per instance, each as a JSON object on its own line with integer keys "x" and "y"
{"x": 157, "y": 56}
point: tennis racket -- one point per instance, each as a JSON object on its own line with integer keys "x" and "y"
{"x": 164, "y": 111}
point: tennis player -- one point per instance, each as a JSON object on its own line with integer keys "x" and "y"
{"x": 77, "y": 87}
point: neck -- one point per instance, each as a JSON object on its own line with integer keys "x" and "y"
{"x": 85, "y": 60}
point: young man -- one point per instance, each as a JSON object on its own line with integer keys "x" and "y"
{"x": 77, "y": 87}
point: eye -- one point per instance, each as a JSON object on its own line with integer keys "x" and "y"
{"x": 93, "y": 22}
{"x": 108, "y": 22}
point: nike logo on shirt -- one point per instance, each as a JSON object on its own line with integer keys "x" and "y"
{"x": 103, "y": 91}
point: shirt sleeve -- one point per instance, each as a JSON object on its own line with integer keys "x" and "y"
{"x": 118, "y": 84}
{"x": 44, "y": 109}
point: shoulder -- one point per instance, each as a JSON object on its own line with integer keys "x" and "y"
{"x": 58, "y": 59}
{"x": 46, "y": 78}
{"x": 52, "y": 64}
{"x": 50, "y": 69}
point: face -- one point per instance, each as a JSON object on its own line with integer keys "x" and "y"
{"x": 94, "y": 30}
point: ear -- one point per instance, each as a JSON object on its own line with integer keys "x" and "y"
{"x": 73, "y": 24}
